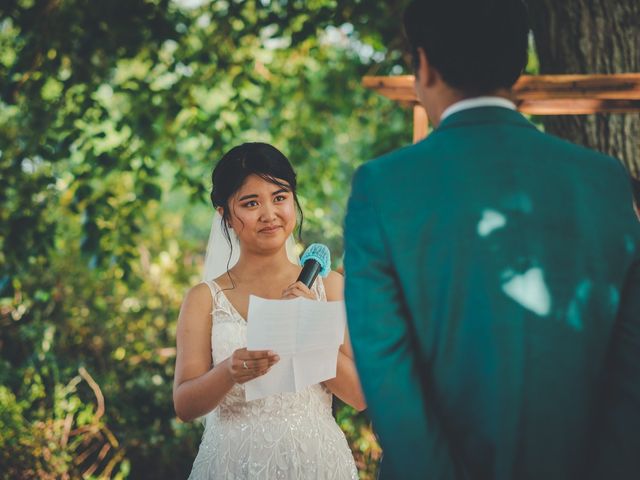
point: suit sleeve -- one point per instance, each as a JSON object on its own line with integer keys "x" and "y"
{"x": 619, "y": 453}
{"x": 385, "y": 351}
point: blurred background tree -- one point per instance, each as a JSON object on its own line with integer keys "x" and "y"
{"x": 591, "y": 36}
{"x": 112, "y": 115}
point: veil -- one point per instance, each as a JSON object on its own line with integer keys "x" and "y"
{"x": 220, "y": 257}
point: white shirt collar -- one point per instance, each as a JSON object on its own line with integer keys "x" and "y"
{"x": 476, "y": 102}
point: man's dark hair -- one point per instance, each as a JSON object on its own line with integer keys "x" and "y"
{"x": 477, "y": 46}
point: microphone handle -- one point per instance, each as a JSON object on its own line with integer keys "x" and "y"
{"x": 309, "y": 272}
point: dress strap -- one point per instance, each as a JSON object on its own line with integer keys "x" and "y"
{"x": 318, "y": 286}
{"x": 220, "y": 300}
{"x": 213, "y": 287}
{"x": 215, "y": 290}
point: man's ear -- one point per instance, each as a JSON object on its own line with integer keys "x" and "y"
{"x": 426, "y": 74}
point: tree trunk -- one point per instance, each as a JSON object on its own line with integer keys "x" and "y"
{"x": 591, "y": 36}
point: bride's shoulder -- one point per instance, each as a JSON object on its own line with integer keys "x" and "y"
{"x": 334, "y": 286}
{"x": 196, "y": 304}
{"x": 199, "y": 293}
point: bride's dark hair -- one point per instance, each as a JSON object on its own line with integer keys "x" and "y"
{"x": 254, "y": 158}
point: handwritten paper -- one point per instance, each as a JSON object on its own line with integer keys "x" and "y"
{"x": 306, "y": 334}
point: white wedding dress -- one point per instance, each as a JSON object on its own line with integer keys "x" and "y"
{"x": 286, "y": 436}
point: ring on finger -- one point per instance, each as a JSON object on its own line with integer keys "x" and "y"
{"x": 244, "y": 365}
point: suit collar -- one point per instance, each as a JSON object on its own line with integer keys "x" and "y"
{"x": 475, "y": 102}
{"x": 484, "y": 115}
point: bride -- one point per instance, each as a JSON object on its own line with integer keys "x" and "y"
{"x": 290, "y": 435}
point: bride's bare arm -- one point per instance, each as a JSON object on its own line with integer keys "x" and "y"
{"x": 346, "y": 384}
{"x": 198, "y": 388}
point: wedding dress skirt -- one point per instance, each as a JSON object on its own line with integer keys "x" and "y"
{"x": 286, "y": 436}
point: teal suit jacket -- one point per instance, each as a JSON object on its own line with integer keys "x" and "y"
{"x": 493, "y": 300}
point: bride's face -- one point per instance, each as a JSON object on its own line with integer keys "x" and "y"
{"x": 262, "y": 214}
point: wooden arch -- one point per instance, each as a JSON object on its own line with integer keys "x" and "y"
{"x": 535, "y": 95}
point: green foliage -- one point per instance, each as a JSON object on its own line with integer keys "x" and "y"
{"x": 112, "y": 115}
{"x": 56, "y": 437}
{"x": 362, "y": 440}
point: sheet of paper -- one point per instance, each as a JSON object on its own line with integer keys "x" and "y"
{"x": 314, "y": 367}
{"x": 305, "y": 333}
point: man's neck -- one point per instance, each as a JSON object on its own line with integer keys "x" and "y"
{"x": 448, "y": 97}
{"x": 475, "y": 102}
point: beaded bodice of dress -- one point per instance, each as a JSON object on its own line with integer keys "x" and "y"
{"x": 285, "y": 436}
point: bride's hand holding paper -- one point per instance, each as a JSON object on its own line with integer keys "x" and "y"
{"x": 245, "y": 365}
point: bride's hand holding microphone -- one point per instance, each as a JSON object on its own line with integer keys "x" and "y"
{"x": 298, "y": 289}
{"x": 315, "y": 261}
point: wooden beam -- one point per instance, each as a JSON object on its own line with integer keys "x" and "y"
{"x": 545, "y": 94}
{"x": 619, "y": 86}
{"x": 398, "y": 87}
{"x": 577, "y": 106}
{"x": 420, "y": 123}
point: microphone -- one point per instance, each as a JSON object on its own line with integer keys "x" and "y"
{"x": 315, "y": 260}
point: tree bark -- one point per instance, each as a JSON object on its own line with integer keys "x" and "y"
{"x": 591, "y": 36}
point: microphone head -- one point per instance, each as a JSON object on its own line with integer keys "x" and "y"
{"x": 319, "y": 253}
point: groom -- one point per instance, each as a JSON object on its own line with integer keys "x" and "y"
{"x": 493, "y": 276}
